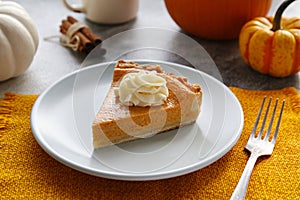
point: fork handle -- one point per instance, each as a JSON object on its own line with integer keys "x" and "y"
{"x": 241, "y": 188}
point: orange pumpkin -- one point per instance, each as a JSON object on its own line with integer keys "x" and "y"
{"x": 215, "y": 19}
{"x": 272, "y": 45}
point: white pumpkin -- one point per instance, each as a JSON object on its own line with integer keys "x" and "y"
{"x": 18, "y": 40}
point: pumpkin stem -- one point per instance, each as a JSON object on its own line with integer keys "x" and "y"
{"x": 277, "y": 18}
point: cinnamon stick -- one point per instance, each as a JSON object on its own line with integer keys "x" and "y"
{"x": 85, "y": 43}
{"x": 86, "y": 31}
{"x": 88, "y": 40}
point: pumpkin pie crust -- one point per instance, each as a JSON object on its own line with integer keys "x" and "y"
{"x": 117, "y": 123}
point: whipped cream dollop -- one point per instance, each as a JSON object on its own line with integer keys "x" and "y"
{"x": 143, "y": 88}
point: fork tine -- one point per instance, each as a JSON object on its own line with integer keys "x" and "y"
{"x": 278, "y": 123}
{"x": 257, "y": 118}
{"x": 271, "y": 121}
{"x": 265, "y": 119}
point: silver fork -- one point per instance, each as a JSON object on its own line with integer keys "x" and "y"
{"x": 258, "y": 146}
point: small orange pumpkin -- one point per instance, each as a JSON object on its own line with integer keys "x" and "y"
{"x": 271, "y": 45}
{"x": 215, "y": 19}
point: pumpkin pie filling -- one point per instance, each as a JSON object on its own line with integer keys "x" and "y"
{"x": 117, "y": 123}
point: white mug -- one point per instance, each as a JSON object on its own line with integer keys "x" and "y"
{"x": 106, "y": 11}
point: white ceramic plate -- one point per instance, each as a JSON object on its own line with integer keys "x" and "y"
{"x": 62, "y": 116}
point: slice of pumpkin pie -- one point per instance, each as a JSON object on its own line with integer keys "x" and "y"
{"x": 142, "y": 101}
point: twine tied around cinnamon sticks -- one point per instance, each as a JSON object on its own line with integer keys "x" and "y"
{"x": 73, "y": 40}
{"x": 76, "y": 35}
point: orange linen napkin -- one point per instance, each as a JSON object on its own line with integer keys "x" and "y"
{"x": 27, "y": 172}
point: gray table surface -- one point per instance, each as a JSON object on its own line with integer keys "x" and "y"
{"x": 53, "y": 61}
